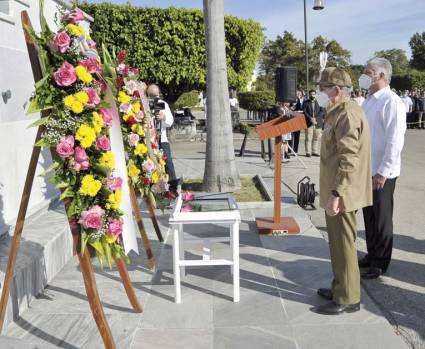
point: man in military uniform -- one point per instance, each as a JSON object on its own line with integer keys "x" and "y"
{"x": 345, "y": 186}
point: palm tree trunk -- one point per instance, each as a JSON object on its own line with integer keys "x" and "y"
{"x": 220, "y": 172}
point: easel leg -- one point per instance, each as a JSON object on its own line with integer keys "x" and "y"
{"x": 94, "y": 301}
{"x": 139, "y": 220}
{"x": 122, "y": 268}
{"x": 14, "y": 247}
{"x": 154, "y": 220}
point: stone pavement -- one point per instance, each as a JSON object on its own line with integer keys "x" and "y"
{"x": 279, "y": 277}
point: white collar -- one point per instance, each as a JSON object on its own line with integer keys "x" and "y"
{"x": 378, "y": 94}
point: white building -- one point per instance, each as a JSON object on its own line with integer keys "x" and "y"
{"x": 16, "y": 86}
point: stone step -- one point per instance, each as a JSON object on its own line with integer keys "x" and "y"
{"x": 45, "y": 248}
{"x": 16, "y": 343}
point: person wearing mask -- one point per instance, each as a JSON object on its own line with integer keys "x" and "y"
{"x": 314, "y": 114}
{"x": 345, "y": 187}
{"x": 408, "y": 103}
{"x": 166, "y": 120}
{"x": 386, "y": 115}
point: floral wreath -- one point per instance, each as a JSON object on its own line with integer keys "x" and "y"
{"x": 77, "y": 131}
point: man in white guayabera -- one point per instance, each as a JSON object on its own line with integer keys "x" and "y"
{"x": 386, "y": 115}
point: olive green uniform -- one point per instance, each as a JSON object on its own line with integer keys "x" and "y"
{"x": 345, "y": 166}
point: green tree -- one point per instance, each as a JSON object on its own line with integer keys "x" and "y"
{"x": 397, "y": 57}
{"x": 288, "y": 50}
{"x": 417, "y": 45}
{"x": 168, "y": 45}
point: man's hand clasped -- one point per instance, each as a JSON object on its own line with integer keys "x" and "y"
{"x": 334, "y": 206}
{"x": 378, "y": 181}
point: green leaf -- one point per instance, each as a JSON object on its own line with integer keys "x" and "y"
{"x": 108, "y": 252}
{"x": 42, "y": 143}
{"x": 97, "y": 245}
{"x": 67, "y": 193}
{"x": 61, "y": 185}
{"x": 39, "y": 122}
{"x": 52, "y": 167}
{"x": 151, "y": 198}
{"x": 84, "y": 239}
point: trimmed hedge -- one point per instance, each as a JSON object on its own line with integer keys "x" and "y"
{"x": 256, "y": 100}
{"x": 168, "y": 45}
{"x": 187, "y": 99}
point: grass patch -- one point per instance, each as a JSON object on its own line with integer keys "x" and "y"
{"x": 250, "y": 189}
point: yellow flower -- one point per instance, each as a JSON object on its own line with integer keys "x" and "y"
{"x": 134, "y": 127}
{"x": 68, "y": 101}
{"x": 136, "y": 107}
{"x": 97, "y": 122}
{"x": 83, "y": 74}
{"x": 86, "y": 135}
{"x": 107, "y": 160}
{"x": 123, "y": 97}
{"x": 140, "y": 149}
{"x": 90, "y": 186}
{"x": 140, "y": 131}
{"x": 125, "y": 117}
{"x": 76, "y": 30}
{"x": 166, "y": 177}
{"x": 114, "y": 200}
{"x": 77, "y": 107}
{"x": 156, "y": 176}
{"x": 82, "y": 96}
{"x": 133, "y": 171}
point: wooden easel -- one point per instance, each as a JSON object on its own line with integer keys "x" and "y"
{"x": 84, "y": 257}
{"x": 275, "y": 128}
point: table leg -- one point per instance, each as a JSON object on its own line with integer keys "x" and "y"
{"x": 176, "y": 267}
{"x": 235, "y": 251}
{"x": 181, "y": 249}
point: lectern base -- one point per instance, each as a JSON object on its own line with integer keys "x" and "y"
{"x": 287, "y": 226}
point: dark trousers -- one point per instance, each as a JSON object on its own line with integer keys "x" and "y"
{"x": 378, "y": 221}
{"x": 169, "y": 166}
{"x": 295, "y": 141}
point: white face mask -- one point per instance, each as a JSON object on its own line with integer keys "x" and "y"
{"x": 365, "y": 81}
{"x": 322, "y": 99}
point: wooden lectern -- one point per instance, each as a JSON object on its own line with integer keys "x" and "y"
{"x": 275, "y": 128}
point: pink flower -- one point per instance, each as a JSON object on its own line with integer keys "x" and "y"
{"x": 74, "y": 16}
{"x": 114, "y": 183}
{"x": 148, "y": 165}
{"x": 186, "y": 208}
{"x": 103, "y": 143}
{"x": 94, "y": 99}
{"x": 65, "y": 75}
{"x": 114, "y": 226}
{"x": 65, "y": 147}
{"x": 106, "y": 115}
{"x": 101, "y": 84}
{"x": 81, "y": 159}
{"x": 133, "y": 139}
{"x": 91, "y": 64}
{"x": 139, "y": 116}
{"x": 131, "y": 86}
{"x": 92, "y": 218}
{"x": 188, "y": 196}
{"x": 125, "y": 107}
{"x": 60, "y": 42}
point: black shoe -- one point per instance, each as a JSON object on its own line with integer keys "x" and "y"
{"x": 333, "y": 308}
{"x": 364, "y": 262}
{"x": 372, "y": 273}
{"x": 325, "y": 293}
{"x": 308, "y": 155}
{"x": 317, "y": 155}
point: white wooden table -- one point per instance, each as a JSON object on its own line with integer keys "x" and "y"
{"x": 230, "y": 217}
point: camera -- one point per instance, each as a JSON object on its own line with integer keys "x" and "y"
{"x": 156, "y": 106}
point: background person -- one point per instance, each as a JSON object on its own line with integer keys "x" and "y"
{"x": 297, "y": 106}
{"x": 421, "y": 112}
{"x": 345, "y": 187}
{"x": 386, "y": 115}
{"x": 358, "y": 97}
{"x": 166, "y": 119}
{"x": 314, "y": 114}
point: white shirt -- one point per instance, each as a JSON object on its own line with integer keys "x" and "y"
{"x": 407, "y": 103}
{"x": 233, "y": 102}
{"x": 167, "y": 122}
{"x": 386, "y": 115}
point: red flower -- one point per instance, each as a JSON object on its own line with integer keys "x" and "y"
{"x": 136, "y": 94}
{"x": 125, "y": 71}
{"x": 131, "y": 121}
{"x": 171, "y": 195}
{"x": 121, "y": 56}
{"x": 154, "y": 145}
{"x": 120, "y": 82}
{"x": 135, "y": 71}
{"x": 146, "y": 181}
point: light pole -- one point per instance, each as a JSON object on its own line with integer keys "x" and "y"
{"x": 318, "y": 5}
